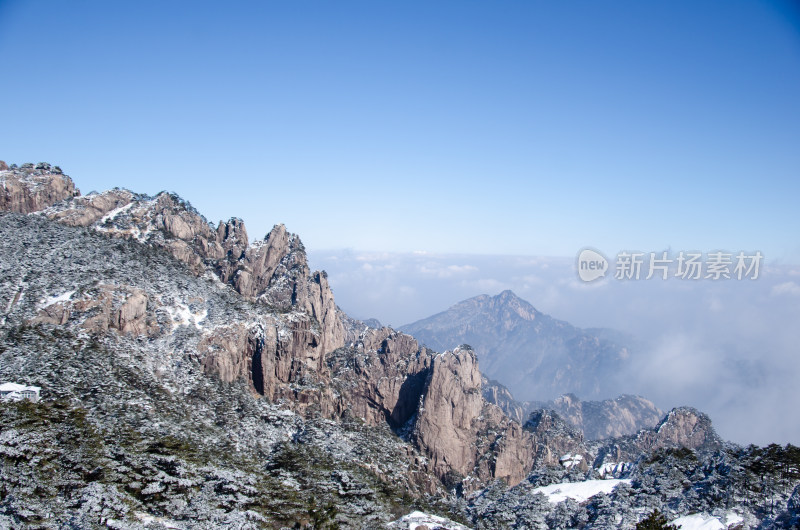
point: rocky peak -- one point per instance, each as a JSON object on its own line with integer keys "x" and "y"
{"x": 682, "y": 427}
{"x": 525, "y": 349}
{"x": 274, "y": 270}
{"x": 513, "y": 304}
{"x": 31, "y": 188}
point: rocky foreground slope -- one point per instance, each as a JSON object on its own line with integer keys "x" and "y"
{"x": 193, "y": 379}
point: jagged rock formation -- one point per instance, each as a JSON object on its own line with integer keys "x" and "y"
{"x": 435, "y": 401}
{"x": 610, "y": 418}
{"x": 557, "y": 442}
{"x": 496, "y": 393}
{"x": 291, "y": 347}
{"x": 597, "y": 420}
{"x": 533, "y": 354}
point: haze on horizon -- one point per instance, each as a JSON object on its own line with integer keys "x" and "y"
{"x": 726, "y": 347}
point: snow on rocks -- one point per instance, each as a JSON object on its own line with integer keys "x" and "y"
{"x": 702, "y": 521}
{"x": 578, "y": 491}
{"x": 424, "y": 521}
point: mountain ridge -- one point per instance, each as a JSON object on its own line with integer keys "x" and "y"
{"x": 216, "y": 383}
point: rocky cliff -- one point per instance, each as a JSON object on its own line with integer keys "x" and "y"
{"x": 31, "y": 188}
{"x": 290, "y": 347}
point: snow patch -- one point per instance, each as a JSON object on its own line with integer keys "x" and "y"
{"x": 578, "y": 491}
{"x": 56, "y": 299}
{"x": 416, "y": 520}
{"x": 146, "y": 518}
{"x": 115, "y": 212}
{"x": 181, "y": 315}
{"x": 569, "y": 460}
{"x": 702, "y": 521}
{"x": 613, "y": 469}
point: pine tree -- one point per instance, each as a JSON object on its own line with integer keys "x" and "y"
{"x": 655, "y": 521}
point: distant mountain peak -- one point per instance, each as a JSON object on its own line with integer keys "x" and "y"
{"x": 525, "y": 349}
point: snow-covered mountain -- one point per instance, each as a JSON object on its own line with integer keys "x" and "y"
{"x": 192, "y": 379}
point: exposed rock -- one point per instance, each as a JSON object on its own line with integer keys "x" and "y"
{"x": 597, "y": 420}
{"x": 86, "y": 210}
{"x": 104, "y": 307}
{"x": 381, "y": 377}
{"x": 30, "y": 189}
{"x": 610, "y": 418}
{"x": 274, "y": 271}
{"x": 445, "y": 428}
{"x": 496, "y": 393}
{"x": 682, "y": 427}
{"x": 554, "y": 439}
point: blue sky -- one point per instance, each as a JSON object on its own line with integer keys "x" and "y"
{"x": 376, "y": 129}
{"x": 532, "y": 128}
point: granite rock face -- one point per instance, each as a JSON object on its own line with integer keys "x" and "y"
{"x": 31, "y": 188}
{"x": 451, "y": 405}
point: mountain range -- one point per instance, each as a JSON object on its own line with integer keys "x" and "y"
{"x": 191, "y": 378}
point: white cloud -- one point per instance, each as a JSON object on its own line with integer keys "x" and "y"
{"x": 786, "y": 288}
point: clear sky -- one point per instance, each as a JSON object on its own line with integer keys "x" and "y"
{"x": 502, "y": 127}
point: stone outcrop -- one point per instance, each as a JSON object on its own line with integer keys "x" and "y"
{"x": 381, "y": 376}
{"x": 30, "y": 188}
{"x": 682, "y": 427}
{"x": 451, "y": 405}
{"x": 554, "y": 439}
{"x": 107, "y": 307}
